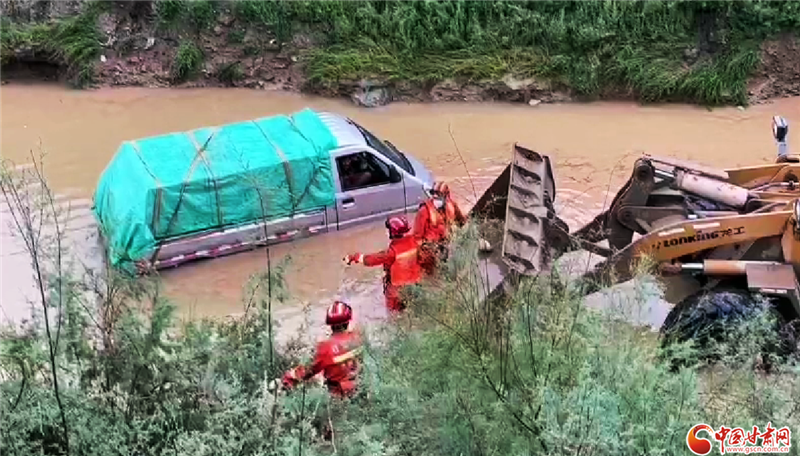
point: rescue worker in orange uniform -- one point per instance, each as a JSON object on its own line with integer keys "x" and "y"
{"x": 400, "y": 261}
{"x": 432, "y": 225}
{"x": 337, "y": 358}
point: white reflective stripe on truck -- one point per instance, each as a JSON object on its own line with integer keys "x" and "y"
{"x": 231, "y": 248}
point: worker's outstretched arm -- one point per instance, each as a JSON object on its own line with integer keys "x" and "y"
{"x": 372, "y": 259}
{"x": 316, "y": 366}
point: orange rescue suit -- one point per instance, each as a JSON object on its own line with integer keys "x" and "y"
{"x": 401, "y": 265}
{"x": 432, "y": 229}
{"x": 338, "y": 360}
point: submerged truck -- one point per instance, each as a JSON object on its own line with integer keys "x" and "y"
{"x": 165, "y": 200}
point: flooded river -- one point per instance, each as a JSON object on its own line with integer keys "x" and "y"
{"x": 592, "y": 145}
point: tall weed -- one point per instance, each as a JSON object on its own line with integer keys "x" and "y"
{"x": 188, "y": 61}
{"x": 539, "y": 373}
{"x": 73, "y": 42}
{"x": 535, "y": 372}
{"x": 589, "y": 47}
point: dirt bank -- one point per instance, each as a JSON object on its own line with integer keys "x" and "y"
{"x": 200, "y": 44}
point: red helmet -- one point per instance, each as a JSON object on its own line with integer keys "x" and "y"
{"x": 397, "y": 226}
{"x": 441, "y": 188}
{"x": 339, "y": 312}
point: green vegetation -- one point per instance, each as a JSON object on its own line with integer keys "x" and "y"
{"x": 75, "y": 43}
{"x": 538, "y": 374}
{"x": 170, "y": 11}
{"x": 678, "y": 50}
{"x": 230, "y": 73}
{"x": 78, "y": 42}
{"x": 197, "y": 14}
{"x": 251, "y": 50}
{"x": 236, "y": 36}
{"x": 697, "y": 51}
{"x": 188, "y": 61}
{"x": 14, "y": 37}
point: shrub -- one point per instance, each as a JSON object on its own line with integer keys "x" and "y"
{"x": 74, "y": 43}
{"x": 188, "y": 61}
{"x": 534, "y": 373}
{"x": 201, "y": 14}
{"x": 170, "y": 11}
{"x": 236, "y": 36}
{"x": 175, "y": 14}
{"x": 230, "y": 73}
{"x": 78, "y": 42}
{"x": 539, "y": 373}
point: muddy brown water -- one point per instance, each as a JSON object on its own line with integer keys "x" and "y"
{"x": 592, "y": 146}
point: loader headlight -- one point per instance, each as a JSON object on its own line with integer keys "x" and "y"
{"x": 779, "y": 128}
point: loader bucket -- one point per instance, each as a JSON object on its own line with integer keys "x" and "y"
{"x": 492, "y": 204}
{"x": 522, "y": 197}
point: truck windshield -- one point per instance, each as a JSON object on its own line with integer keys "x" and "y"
{"x": 384, "y": 149}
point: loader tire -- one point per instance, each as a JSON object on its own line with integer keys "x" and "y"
{"x": 558, "y": 238}
{"x": 706, "y": 317}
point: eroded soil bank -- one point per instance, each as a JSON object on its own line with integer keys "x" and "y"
{"x": 375, "y": 53}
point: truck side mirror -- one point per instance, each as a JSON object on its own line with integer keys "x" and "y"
{"x": 394, "y": 175}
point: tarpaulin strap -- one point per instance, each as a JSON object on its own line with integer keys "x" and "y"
{"x": 201, "y": 153}
{"x": 300, "y": 132}
{"x": 316, "y": 168}
{"x": 287, "y": 168}
{"x": 197, "y": 158}
{"x": 159, "y": 189}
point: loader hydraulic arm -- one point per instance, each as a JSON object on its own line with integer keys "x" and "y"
{"x": 656, "y": 195}
{"x": 687, "y": 238}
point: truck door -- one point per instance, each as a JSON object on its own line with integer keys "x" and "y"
{"x": 370, "y": 188}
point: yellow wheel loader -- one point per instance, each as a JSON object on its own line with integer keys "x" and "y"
{"x": 716, "y": 235}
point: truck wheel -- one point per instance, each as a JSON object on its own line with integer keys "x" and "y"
{"x": 705, "y": 317}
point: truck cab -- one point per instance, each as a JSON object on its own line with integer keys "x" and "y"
{"x": 373, "y": 178}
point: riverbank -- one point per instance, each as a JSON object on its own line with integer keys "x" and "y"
{"x": 375, "y": 53}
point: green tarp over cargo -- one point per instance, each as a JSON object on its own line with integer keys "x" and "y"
{"x": 173, "y": 185}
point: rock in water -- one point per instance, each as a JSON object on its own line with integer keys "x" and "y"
{"x": 371, "y": 97}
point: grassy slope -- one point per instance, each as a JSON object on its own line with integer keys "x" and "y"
{"x": 73, "y": 42}
{"x": 588, "y": 47}
{"x": 656, "y": 50}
